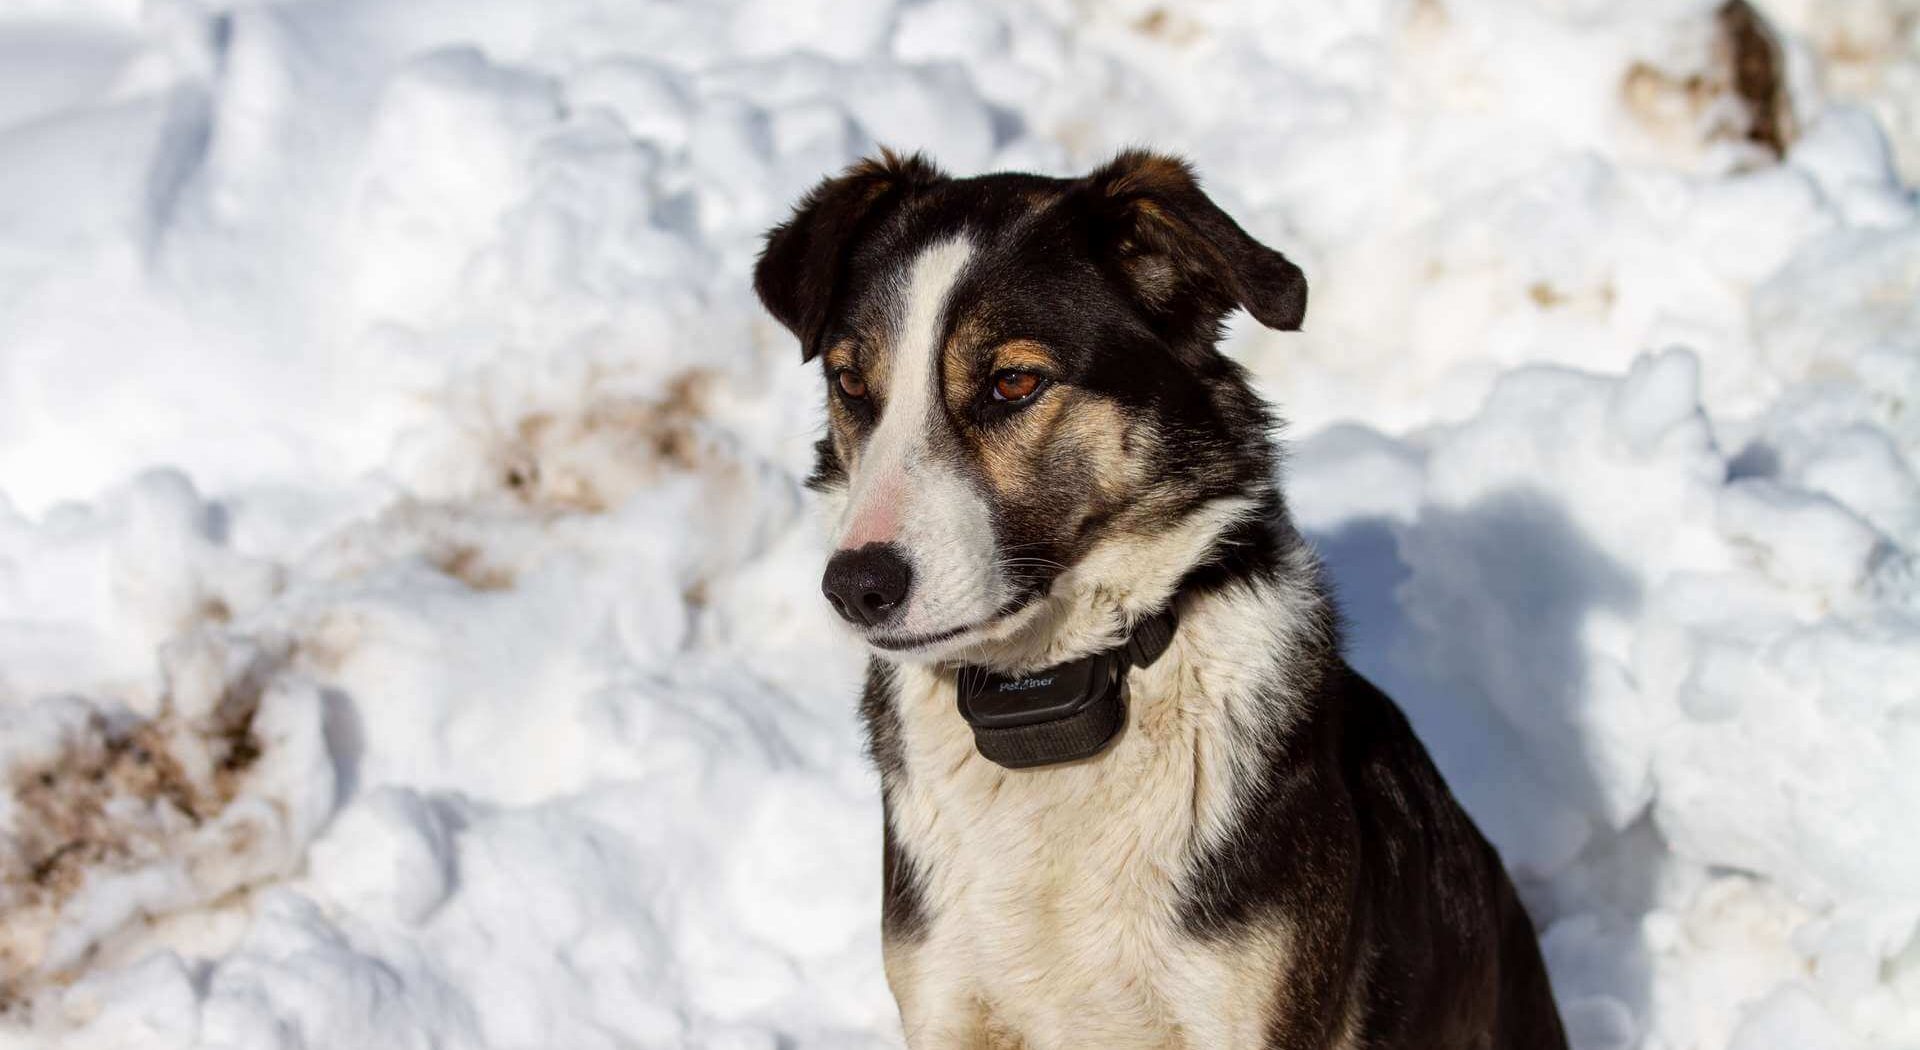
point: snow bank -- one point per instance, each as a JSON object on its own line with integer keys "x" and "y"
{"x": 475, "y": 691}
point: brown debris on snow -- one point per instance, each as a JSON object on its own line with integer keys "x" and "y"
{"x": 1733, "y": 90}
{"x": 114, "y": 798}
{"x": 1753, "y": 56}
{"x": 593, "y": 460}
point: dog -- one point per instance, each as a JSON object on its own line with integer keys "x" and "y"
{"x": 1133, "y": 794}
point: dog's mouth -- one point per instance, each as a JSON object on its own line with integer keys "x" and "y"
{"x": 902, "y": 643}
{"x": 916, "y": 643}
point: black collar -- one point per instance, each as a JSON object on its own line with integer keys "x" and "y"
{"x": 1066, "y": 712}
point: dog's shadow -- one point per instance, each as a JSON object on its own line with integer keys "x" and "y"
{"x": 1484, "y": 624}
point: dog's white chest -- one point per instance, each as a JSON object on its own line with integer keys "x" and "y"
{"x": 1052, "y": 894}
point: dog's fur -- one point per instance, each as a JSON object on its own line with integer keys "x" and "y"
{"x": 1266, "y": 857}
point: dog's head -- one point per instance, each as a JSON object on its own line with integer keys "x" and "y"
{"x": 1030, "y": 434}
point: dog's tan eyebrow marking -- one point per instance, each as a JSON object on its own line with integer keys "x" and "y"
{"x": 843, "y": 354}
{"x": 1026, "y": 354}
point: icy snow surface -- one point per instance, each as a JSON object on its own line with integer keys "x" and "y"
{"x": 409, "y": 633}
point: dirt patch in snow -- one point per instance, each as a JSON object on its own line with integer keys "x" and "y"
{"x": 1735, "y": 92}
{"x": 115, "y": 798}
{"x": 593, "y": 460}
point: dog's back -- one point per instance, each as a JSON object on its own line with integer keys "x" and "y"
{"x": 1458, "y": 962}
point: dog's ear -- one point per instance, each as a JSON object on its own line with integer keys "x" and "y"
{"x": 1183, "y": 258}
{"x": 800, "y": 267}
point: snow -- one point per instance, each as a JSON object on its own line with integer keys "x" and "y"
{"x": 409, "y": 632}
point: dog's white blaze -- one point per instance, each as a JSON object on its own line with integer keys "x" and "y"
{"x": 902, "y": 494}
{"x": 879, "y": 486}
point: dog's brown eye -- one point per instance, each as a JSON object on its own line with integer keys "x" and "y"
{"x": 851, "y": 383}
{"x": 1013, "y": 385}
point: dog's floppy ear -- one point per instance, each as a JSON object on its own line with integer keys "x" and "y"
{"x": 1183, "y": 257}
{"x": 800, "y": 267}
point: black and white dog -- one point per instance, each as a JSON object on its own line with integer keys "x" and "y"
{"x": 1134, "y": 795}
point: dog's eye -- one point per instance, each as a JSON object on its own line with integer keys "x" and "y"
{"x": 1015, "y": 385}
{"x": 851, "y": 383}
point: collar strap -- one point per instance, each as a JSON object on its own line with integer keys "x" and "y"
{"x": 1065, "y": 712}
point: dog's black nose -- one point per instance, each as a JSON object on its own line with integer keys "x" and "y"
{"x": 866, "y": 585}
